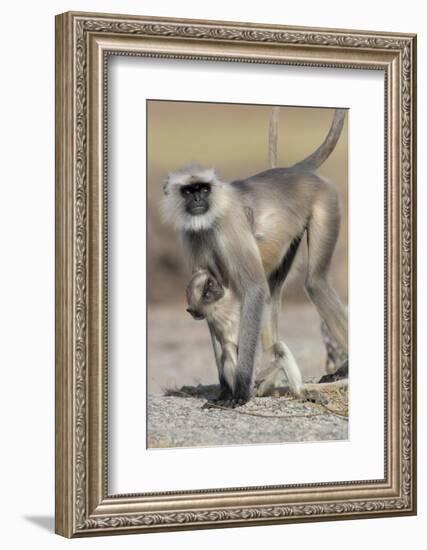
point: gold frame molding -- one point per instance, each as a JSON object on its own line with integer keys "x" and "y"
{"x": 83, "y": 43}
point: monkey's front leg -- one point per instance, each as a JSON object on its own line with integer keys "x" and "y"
{"x": 224, "y": 391}
{"x": 253, "y": 303}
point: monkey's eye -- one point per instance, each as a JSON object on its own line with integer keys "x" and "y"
{"x": 210, "y": 283}
{"x": 208, "y": 294}
{"x": 205, "y": 189}
{"x": 187, "y": 192}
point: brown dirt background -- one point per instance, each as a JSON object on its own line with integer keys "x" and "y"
{"x": 232, "y": 138}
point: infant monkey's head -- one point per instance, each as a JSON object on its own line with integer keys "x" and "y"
{"x": 202, "y": 291}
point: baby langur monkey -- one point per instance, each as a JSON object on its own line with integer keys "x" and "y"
{"x": 220, "y": 306}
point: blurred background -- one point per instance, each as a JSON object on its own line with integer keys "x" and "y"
{"x": 233, "y": 139}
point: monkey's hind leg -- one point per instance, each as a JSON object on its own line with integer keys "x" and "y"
{"x": 335, "y": 357}
{"x": 322, "y": 234}
{"x": 283, "y": 366}
{"x": 286, "y": 361}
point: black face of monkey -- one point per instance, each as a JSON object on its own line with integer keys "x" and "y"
{"x": 212, "y": 291}
{"x": 196, "y": 196}
{"x": 202, "y": 290}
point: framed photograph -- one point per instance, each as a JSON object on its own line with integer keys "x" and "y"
{"x": 235, "y": 274}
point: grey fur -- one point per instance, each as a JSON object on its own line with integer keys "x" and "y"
{"x": 335, "y": 357}
{"x": 284, "y": 203}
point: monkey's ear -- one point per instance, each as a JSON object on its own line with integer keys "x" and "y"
{"x": 166, "y": 185}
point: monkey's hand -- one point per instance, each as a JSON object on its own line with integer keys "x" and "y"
{"x": 238, "y": 402}
{"x": 225, "y": 399}
{"x": 243, "y": 385}
{"x": 225, "y": 393}
{"x": 230, "y": 403}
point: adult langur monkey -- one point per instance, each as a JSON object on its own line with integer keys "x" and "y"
{"x": 247, "y": 233}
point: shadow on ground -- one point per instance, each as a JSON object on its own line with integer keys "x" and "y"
{"x": 44, "y": 522}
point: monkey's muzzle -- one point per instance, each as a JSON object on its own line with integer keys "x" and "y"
{"x": 195, "y": 314}
{"x": 198, "y": 209}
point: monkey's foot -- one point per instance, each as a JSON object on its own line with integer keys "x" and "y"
{"x": 236, "y": 402}
{"x": 224, "y": 394}
{"x": 339, "y": 374}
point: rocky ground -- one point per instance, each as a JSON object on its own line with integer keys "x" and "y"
{"x": 182, "y": 421}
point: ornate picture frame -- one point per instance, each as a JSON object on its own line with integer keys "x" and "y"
{"x": 83, "y": 43}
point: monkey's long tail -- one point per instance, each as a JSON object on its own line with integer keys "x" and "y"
{"x": 316, "y": 159}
